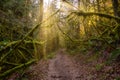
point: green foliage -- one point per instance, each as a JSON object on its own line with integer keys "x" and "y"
{"x": 117, "y": 78}
{"x": 99, "y": 66}
{"x": 15, "y": 46}
{"x": 16, "y": 68}
{"x": 81, "y": 31}
{"x": 14, "y": 56}
{"x": 51, "y": 55}
{"x": 95, "y": 30}
{"x": 115, "y": 54}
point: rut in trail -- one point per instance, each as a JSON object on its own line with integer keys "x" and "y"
{"x": 62, "y": 68}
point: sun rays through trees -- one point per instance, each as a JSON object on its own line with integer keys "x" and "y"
{"x": 31, "y": 30}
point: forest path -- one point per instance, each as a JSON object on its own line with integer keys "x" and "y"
{"x": 62, "y": 68}
{"x": 66, "y": 67}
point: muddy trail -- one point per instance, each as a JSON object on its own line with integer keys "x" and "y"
{"x": 66, "y": 67}
{"x": 62, "y": 68}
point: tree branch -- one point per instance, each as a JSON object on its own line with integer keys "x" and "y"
{"x": 85, "y": 14}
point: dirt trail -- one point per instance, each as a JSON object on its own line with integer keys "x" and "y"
{"x": 66, "y": 67}
{"x": 62, "y": 68}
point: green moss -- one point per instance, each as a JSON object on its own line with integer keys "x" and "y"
{"x": 51, "y": 55}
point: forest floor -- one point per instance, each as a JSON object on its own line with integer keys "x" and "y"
{"x": 66, "y": 67}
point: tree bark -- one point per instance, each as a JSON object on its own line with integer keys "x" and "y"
{"x": 78, "y": 3}
{"x": 39, "y": 49}
{"x": 41, "y": 10}
{"x": 116, "y": 8}
{"x": 98, "y": 5}
{"x": 115, "y": 4}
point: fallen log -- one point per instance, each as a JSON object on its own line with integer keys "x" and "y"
{"x": 16, "y": 68}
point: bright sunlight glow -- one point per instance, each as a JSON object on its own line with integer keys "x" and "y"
{"x": 46, "y": 2}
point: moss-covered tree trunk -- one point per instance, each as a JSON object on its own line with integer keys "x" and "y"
{"x": 116, "y": 9}
{"x": 116, "y": 4}
{"x": 38, "y": 34}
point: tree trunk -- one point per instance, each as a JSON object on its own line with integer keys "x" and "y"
{"x": 41, "y": 10}
{"x": 116, "y": 8}
{"x": 78, "y": 3}
{"x": 39, "y": 53}
{"x": 98, "y": 5}
{"x": 78, "y": 26}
